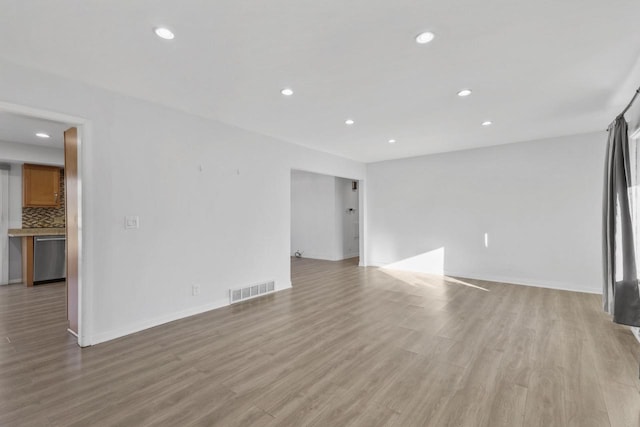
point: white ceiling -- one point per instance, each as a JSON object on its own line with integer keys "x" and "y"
{"x": 538, "y": 68}
{"x": 16, "y": 128}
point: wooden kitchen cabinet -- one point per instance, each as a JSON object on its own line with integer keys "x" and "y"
{"x": 40, "y": 186}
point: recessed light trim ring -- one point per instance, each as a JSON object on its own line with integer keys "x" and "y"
{"x": 425, "y": 37}
{"x": 164, "y": 33}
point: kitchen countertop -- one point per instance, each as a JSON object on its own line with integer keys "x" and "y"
{"x": 26, "y": 232}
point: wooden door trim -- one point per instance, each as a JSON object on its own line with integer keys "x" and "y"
{"x": 71, "y": 214}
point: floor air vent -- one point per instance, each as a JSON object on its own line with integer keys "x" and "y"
{"x": 242, "y": 294}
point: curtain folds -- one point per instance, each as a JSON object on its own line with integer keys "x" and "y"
{"x": 621, "y": 296}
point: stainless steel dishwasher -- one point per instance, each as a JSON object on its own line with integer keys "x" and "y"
{"x": 49, "y": 264}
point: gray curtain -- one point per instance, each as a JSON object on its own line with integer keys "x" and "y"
{"x": 621, "y": 298}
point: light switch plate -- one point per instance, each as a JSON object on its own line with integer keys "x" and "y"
{"x": 131, "y": 222}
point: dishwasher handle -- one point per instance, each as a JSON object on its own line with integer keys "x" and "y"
{"x": 50, "y": 239}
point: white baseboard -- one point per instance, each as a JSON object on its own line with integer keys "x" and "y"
{"x": 559, "y": 286}
{"x": 150, "y": 323}
{"x": 636, "y": 332}
{"x": 322, "y": 257}
{"x": 160, "y": 320}
{"x": 536, "y": 283}
{"x": 328, "y": 258}
{"x": 12, "y": 282}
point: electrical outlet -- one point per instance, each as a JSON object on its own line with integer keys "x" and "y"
{"x": 131, "y": 222}
{"x": 195, "y": 290}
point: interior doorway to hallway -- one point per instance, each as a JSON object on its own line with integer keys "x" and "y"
{"x": 325, "y": 218}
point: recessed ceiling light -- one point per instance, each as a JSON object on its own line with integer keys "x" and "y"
{"x": 286, "y": 92}
{"x": 424, "y": 38}
{"x": 42, "y": 135}
{"x": 164, "y": 33}
{"x": 487, "y": 123}
{"x": 349, "y": 122}
{"x": 464, "y": 92}
{"x": 392, "y": 141}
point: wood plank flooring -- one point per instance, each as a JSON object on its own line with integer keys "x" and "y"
{"x": 347, "y": 346}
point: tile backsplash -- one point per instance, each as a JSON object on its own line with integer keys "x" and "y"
{"x": 46, "y": 217}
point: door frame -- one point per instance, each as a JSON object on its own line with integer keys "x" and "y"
{"x": 84, "y": 127}
{"x": 4, "y": 225}
{"x": 362, "y": 214}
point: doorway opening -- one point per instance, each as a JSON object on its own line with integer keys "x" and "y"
{"x": 40, "y": 235}
{"x": 326, "y": 214}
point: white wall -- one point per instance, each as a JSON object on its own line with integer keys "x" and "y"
{"x": 15, "y": 196}
{"x": 320, "y": 225}
{"x": 15, "y": 221}
{"x": 13, "y": 152}
{"x": 213, "y": 201}
{"x": 4, "y": 224}
{"x": 538, "y": 201}
{"x": 313, "y": 216}
{"x": 11, "y": 255}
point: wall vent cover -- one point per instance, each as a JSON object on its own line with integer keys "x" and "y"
{"x": 252, "y": 291}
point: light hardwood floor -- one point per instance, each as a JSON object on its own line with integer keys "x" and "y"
{"x": 347, "y": 346}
